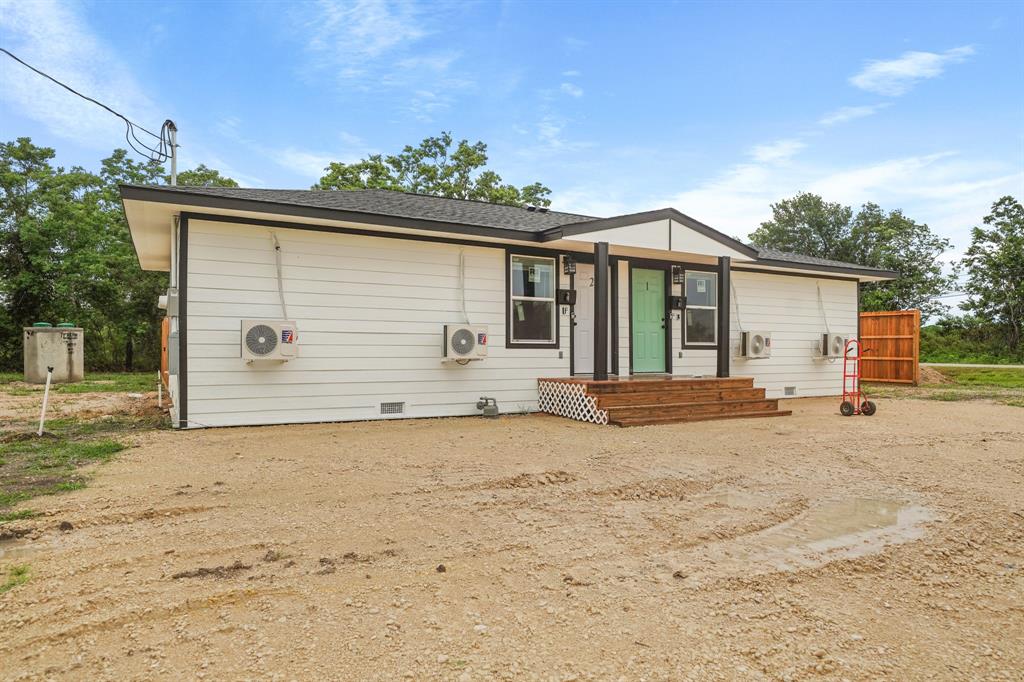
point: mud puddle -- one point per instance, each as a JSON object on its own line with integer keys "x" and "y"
{"x": 830, "y": 530}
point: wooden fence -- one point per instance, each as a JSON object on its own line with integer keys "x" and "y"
{"x": 892, "y": 343}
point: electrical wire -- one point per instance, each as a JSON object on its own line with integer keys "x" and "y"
{"x": 159, "y": 153}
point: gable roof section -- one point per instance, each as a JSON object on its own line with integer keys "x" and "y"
{"x": 599, "y": 224}
{"x": 427, "y": 212}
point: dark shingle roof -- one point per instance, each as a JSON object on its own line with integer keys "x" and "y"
{"x": 765, "y": 253}
{"x": 398, "y": 204}
{"x": 463, "y": 212}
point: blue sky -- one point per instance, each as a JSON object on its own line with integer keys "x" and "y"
{"x": 717, "y": 109}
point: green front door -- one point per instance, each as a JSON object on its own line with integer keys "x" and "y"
{"x": 648, "y": 320}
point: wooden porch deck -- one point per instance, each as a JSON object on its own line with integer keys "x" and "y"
{"x": 639, "y": 401}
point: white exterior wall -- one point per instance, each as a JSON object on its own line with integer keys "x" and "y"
{"x": 788, "y": 307}
{"x": 369, "y": 312}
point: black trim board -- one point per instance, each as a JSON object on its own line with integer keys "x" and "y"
{"x": 866, "y": 272}
{"x": 762, "y": 271}
{"x": 182, "y": 396}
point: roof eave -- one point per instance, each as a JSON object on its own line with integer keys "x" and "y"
{"x": 792, "y": 265}
{"x": 186, "y": 198}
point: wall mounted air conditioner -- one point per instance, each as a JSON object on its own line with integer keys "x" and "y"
{"x": 464, "y": 342}
{"x": 756, "y": 345}
{"x": 833, "y": 345}
{"x": 269, "y": 340}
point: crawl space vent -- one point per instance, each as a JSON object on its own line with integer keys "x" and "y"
{"x": 790, "y": 390}
{"x": 392, "y": 408}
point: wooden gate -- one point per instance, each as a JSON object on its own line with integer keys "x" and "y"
{"x": 892, "y": 343}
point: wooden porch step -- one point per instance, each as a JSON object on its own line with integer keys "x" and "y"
{"x": 667, "y": 396}
{"x": 714, "y": 407}
{"x": 681, "y": 384}
{"x": 652, "y": 421}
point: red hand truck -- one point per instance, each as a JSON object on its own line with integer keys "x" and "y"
{"x": 854, "y": 400}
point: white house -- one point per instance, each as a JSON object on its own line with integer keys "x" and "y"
{"x": 371, "y": 278}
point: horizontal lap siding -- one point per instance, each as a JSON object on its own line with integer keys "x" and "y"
{"x": 788, "y": 308}
{"x": 369, "y": 312}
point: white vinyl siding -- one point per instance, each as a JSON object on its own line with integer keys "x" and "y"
{"x": 369, "y": 312}
{"x": 787, "y": 307}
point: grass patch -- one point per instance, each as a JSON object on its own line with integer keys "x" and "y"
{"x": 16, "y": 575}
{"x": 1003, "y": 377}
{"x": 103, "y": 382}
{"x": 34, "y": 466}
{"x": 1003, "y": 385}
{"x": 19, "y": 515}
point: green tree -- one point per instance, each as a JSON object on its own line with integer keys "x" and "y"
{"x": 66, "y": 255}
{"x": 809, "y": 225}
{"x": 201, "y": 176}
{"x": 434, "y": 168}
{"x": 895, "y": 242}
{"x": 995, "y": 270}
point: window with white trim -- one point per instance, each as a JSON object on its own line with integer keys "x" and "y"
{"x": 700, "y": 319}
{"x": 532, "y": 291}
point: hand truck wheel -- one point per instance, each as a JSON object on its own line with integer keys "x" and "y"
{"x": 846, "y": 408}
{"x": 867, "y": 408}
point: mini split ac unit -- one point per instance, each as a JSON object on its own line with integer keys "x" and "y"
{"x": 269, "y": 340}
{"x": 756, "y": 344}
{"x": 833, "y": 345}
{"x": 464, "y": 342}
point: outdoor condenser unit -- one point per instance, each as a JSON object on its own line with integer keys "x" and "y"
{"x": 269, "y": 340}
{"x": 833, "y": 345}
{"x": 465, "y": 342}
{"x": 756, "y": 344}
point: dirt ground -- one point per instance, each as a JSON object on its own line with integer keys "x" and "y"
{"x": 533, "y": 547}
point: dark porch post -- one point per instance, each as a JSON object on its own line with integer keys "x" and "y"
{"x": 723, "y": 316}
{"x": 601, "y": 310}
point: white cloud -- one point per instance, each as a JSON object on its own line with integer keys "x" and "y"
{"x": 894, "y": 77}
{"x": 779, "y": 151}
{"x": 571, "y": 73}
{"x": 302, "y": 162}
{"x": 846, "y": 114}
{"x": 54, "y": 38}
{"x": 944, "y": 189}
{"x": 571, "y": 90}
{"x": 353, "y": 32}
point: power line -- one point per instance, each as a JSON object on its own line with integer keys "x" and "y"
{"x": 163, "y": 150}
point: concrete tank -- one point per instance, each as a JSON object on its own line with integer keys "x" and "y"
{"x": 61, "y": 347}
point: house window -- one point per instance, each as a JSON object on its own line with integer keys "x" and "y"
{"x": 532, "y": 299}
{"x": 700, "y": 320}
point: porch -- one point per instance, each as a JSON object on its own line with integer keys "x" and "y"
{"x": 644, "y": 400}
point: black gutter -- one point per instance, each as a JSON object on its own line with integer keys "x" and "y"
{"x": 724, "y": 342}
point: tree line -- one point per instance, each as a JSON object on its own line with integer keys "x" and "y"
{"x": 66, "y": 253}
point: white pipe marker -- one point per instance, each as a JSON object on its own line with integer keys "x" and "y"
{"x": 46, "y": 398}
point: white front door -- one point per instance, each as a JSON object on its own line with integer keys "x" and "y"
{"x": 583, "y": 331}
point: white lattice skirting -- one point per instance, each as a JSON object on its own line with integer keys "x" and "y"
{"x": 569, "y": 400}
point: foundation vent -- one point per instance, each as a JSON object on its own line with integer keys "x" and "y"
{"x": 790, "y": 390}
{"x": 392, "y": 408}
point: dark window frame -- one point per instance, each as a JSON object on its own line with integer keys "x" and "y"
{"x": 532, "y": 253}
{"x": 710, "y": 269}
{"x": 713, "y": 345}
